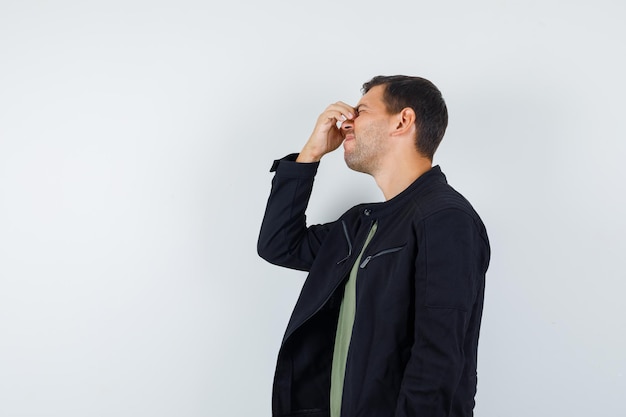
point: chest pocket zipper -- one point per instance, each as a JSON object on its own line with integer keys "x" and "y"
{"x": 381, "y": 253}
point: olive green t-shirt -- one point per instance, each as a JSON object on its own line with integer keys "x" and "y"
{"x": 344, "y": 333}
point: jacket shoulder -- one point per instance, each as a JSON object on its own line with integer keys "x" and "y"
{"x": 439, "y": 197}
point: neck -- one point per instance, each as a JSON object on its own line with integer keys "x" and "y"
{"x": 401, "y": 173}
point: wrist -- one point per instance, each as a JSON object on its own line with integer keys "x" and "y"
{"x": 308, "y": 156}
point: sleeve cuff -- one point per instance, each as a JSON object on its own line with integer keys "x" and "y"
{"x": 288, "y": 166}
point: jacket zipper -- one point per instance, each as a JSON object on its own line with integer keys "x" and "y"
{"x": 345, "y": 232}
{"x": 381, "y": 253}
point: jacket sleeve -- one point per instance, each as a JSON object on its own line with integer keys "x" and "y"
{"x": 285, "y": 239}
{"x": 440, "y": 376}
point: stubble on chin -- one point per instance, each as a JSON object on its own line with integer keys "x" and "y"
{"x": 355, "y": 160}
{"x": 363, "y": 157}
{"x": 363, "y": 152}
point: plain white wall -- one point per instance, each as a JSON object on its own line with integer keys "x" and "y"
{"x": 135, "y": 142}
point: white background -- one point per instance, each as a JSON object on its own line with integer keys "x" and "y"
{"x": 135, "y": 143}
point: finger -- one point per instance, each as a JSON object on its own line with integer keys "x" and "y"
{"x": 333, "y": 116}
{"x": 343, "y": 109}
{"x": 340, "y": 114}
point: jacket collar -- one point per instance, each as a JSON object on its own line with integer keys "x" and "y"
{"x": 418, "y": 187}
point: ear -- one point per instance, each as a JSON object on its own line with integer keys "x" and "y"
{"x": 404, "y": 122}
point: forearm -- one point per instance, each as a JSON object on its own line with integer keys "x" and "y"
{"x": 284, "y": 238}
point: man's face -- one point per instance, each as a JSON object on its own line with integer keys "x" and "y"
{"x": 365, "y": 137}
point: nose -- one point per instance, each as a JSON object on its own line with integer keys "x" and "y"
{"x": 347, "y": 125}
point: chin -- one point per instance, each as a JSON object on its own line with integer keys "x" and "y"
{"x": 355, "y": 165}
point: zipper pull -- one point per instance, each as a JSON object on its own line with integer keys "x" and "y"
{"x": 365, "y": 262}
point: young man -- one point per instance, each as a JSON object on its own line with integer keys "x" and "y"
{"x": 388, "y": 319}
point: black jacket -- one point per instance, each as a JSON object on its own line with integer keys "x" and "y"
{"x": 420, "y": 293}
